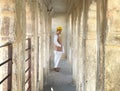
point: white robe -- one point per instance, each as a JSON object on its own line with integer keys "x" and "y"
{"x": 57, "y": 54}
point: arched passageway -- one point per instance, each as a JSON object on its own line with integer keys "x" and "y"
{"x": 91, "y": 37}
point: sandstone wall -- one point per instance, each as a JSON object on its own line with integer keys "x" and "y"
{"x": 94, "y": 51}
{"x": 112, "y": 47}
{"x": 19, "y": 20}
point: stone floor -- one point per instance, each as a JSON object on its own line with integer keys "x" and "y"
{"x": 60, "y": 81}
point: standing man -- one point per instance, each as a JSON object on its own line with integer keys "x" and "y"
{"x": 58, "y": 48}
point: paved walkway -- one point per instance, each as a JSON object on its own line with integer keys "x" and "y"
{"x": 60, "y": 81}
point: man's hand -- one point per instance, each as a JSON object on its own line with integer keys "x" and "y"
{"x": 58, "y": 48}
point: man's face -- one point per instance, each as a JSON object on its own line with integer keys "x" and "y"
{"x": 58, "y": 31}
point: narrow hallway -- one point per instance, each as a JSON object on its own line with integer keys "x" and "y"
{"x": 60, "y": 81}
{"x": 90, "y": 38}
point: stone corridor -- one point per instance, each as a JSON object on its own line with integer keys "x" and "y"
{"x": 91, "y": 38}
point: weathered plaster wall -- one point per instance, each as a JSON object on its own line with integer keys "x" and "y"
{"x": 6, "y": 35}
{"x": 6, "y": 20}
{"x": 19, "y": 20}
{"x": 112, "y": 63}
{"x": 99, "y": 48}
{"x": 82, "y": 45}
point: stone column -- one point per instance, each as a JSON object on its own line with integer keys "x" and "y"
{"x": 69, "y": 42}
{"x": 19, "y": 47}
{"x": 74, "y": 44}
{"x": 101, "y": 29}
{"x": 83, "y": 41}
{"x": 47, "y": 43}
{"x": 79, "y": 64}
{"x": 35, "y": 48}
{"x": 43, "y": 44}
{"x": 28, "y": 19}
{"x": 40, "y": 29}
{"x": 91, "y": 42}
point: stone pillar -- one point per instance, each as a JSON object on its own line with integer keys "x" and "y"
{"x": 44, "y": 32}
{"x": 101, "y": 29}
{"x": 40, "y": 29}
{"x": 45, "y": 40}
{"x": 28, "y": 19}
{"x": 79, "y": 64}
{"x": 43, "y": 45}
{"x": 69, "y": 42}
{"x": 83, "y": 41}
{"x": 74, "y": 44}
{"x": 91, "y": 42}
{"x": 35, "y": 48}
{"x": 47, "y": 44}
{"x": 19, "y": 47}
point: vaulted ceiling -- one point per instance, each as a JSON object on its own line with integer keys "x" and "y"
{"x": 59, "y": 6}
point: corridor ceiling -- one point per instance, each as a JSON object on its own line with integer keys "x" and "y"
{"x": 59, "y": 6}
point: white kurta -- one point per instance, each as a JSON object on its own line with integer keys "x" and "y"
{"x": 57, "y": 54}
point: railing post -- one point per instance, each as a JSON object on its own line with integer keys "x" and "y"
{"x": 29, "y": 46}
{"x": 28, "y": 60}
{"x": 10, "y": 67}
{"x": 7, "y": 80}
